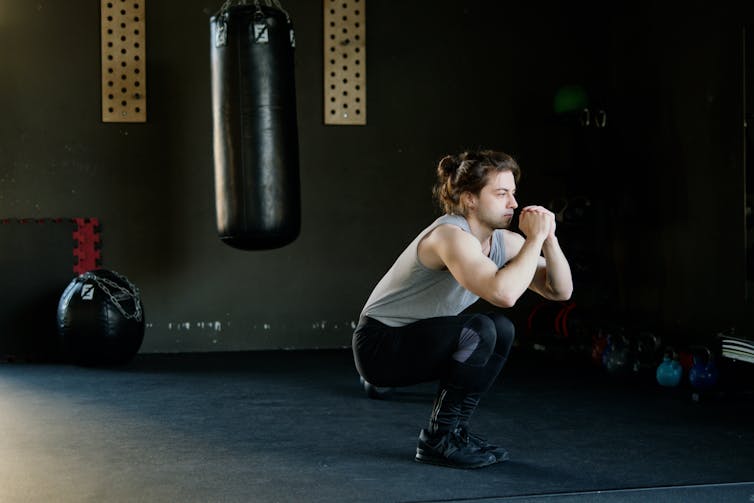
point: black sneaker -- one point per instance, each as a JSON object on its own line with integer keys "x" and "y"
{"x": 480, "y": 443}
{"x": 449, "y": 449}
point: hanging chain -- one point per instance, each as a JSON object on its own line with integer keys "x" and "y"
{"x": 270, "y": 3}
{"x": 227, "y": 3}
{"x": 132, "y": 292}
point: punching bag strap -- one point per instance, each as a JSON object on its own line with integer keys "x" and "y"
{"x": 276, "y": 4}
{"x": 221, "y": 38}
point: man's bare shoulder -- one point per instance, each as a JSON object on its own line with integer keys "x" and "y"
{"x": 445, "y": 233}
{"x": 442, "y": 238}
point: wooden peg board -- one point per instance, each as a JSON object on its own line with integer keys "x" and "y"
{"x": 345, "y": 66}
{"x": 123, "y": 61}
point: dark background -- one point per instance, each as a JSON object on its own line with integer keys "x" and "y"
{"x": 661, "y": 245}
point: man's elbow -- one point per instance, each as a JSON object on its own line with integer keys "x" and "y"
{"x": 503, "y": 300}
{"x": 562, "y": 295}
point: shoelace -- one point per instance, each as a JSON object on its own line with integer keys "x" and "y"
{"x": 456, "y": 439}
{"x": 469, "y": 437}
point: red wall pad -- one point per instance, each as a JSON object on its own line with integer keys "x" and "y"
{"x": 87, "y": 245}
{"x": 36, "y": 265}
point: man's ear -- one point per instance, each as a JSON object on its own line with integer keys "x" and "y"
{"x": 469, "y": 200}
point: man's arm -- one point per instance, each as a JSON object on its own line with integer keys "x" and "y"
{"x": 462, "y": 254}
{"x": 553, "y": 279}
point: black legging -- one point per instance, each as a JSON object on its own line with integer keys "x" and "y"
{"x": 423, "y": 351}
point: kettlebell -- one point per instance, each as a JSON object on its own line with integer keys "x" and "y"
{"x": 618, "y": 360}
{"x": 376, "y": 392}
{"x": 704, "y": 373}
{"x": 669, "y": 372}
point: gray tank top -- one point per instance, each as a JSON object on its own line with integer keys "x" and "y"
{"x": 409, "y": 291}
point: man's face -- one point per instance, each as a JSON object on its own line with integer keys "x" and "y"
{"x": 497, "y": 201}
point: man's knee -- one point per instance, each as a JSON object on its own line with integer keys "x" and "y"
{"x": 505, "y": 333}
{"x": 477, "y": 340}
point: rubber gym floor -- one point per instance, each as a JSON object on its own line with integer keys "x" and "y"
{"x": 279, "y": 426}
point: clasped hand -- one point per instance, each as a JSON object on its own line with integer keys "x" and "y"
{"x": 537, "y": 221}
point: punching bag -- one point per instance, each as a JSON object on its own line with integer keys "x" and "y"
{"x": 257, "y": 187}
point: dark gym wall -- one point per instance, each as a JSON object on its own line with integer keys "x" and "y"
{"x": 442, "y": 76}
{"x": 678, "y": 85}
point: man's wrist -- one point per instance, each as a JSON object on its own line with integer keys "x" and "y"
{"x": 551, "y": 240}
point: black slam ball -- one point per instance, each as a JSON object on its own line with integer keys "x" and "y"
{"x": 100, "y": 319}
